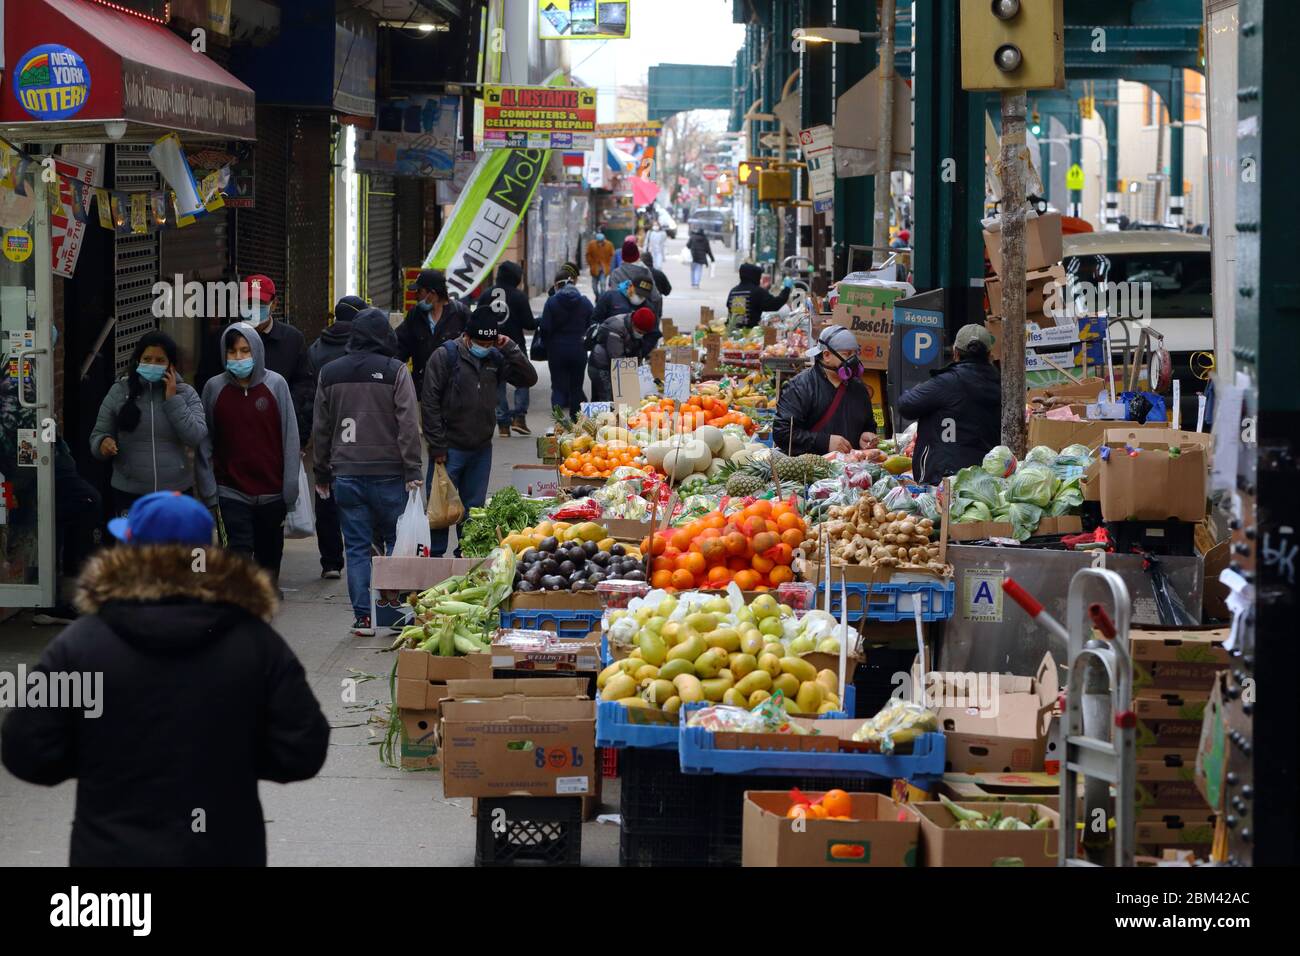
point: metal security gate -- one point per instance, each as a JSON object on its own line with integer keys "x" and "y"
{"x": 379, "y": 241}
{"x": 135, "y": 261}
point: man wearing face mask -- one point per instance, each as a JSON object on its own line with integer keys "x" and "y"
{"x": 620, "y": 336}
{"x": 827, "y": 407}
{"x": 628, "y": 296}
{"x": 285, "y": 349}
{"x": 458, "y": 407}
{"x": 436, "y": 318}
{"x": 633, "y": 269}
{"x": 600, "y": 258}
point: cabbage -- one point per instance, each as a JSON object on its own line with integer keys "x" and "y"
{"x": 975, "y": 511}
{"x": 1032, "y": 484}
{"x": 1024, "y": 519}
{"x": 1068, "y": 495}
{"x": 1040, "y": 454}
{"x": 975, "y": 484}
{"x": 1000, "y": 462}
{"x": 1058, "y": 507}
{"x": 1080, "y": 455}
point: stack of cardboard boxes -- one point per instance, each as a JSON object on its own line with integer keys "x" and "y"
{"x": 1173, "y": 677}
{"x": 1043, "y": 249}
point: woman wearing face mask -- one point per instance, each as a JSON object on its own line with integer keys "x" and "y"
{"x": 147, "y": 423}
{"x": 827, "y": 407}
{"x": 620, "y": 336}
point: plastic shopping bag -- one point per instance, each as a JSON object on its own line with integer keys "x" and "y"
{"x": 445, "y": 508}
{"x": 301, "y": 521}
{"x": 684, "y": 257}
{"x": 412, "y": 529}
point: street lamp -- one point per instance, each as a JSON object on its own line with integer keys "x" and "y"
{"x": 829, "y": 35}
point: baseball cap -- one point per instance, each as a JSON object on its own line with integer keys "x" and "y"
{"x": 836, "y": 337}
{"x": 484, "y": 324}
{"x": 431, "y": 280}
{"x": 265, "y": 287}
{"x": 643, "y": 320}
{"x": 968, "y": 335}
{"x": 643, "y": 285}
{"x": 164, "y": 517}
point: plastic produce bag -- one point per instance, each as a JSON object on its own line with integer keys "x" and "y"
{"x": 927, "y": 506}
{"x": 445, "y": 508}
{"x": 413, "y": 527}
{"x": 899, "y": 499}
{"x": 301, "y": 521}
{"x": 1032, "y": 485}
{"x": 1078, "y": 455}
{"x": 1000, "y": 462}
{"x": 883, "y": 487}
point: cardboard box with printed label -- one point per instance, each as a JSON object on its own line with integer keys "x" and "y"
{"x": 1173, "y": 827}
{"x": 1039, "y": 286}
{"x": 1029, "y": 787}
{"x": 1172, "y": 720}
{"x": 422, "y": 677}
{"x": 523, "y": 737}
{"x": 1000, "y": 722}
{"x": 943, "y": 844}
{"x": 419, "y": 739}
{"x": 1043, "y": 244}
{"x": 1169, "y": 766}
{"x": 543, "y": 651}
{"x": 881, "y": 833}
{"x": 868, "y": 312}
{"x": 1185, "y": 660}
{"x": 1172, "y": 794}
{"x": 535, "y": 481}
{"x": 1154, "y": 483}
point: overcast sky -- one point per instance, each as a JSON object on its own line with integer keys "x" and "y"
{"x": 663, "y": 31}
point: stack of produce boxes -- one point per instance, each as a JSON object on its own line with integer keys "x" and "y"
{"x": 1173, "y": 676}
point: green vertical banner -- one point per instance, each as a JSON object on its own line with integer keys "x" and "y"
{"x": 488, "y": 212}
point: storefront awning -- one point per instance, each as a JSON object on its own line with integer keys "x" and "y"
{"x": 71, "y": 66}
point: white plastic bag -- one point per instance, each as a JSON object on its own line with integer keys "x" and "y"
{"x": 684, "y": 257}
{"x": 713, "y": 269}
{"x": 301, "y": 521}
{"x": 412, "y": 529}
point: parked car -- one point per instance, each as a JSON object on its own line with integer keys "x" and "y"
{"x": 716, "y": 224}
{"x": 1176, "y": 267}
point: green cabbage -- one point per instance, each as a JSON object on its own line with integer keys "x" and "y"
{"x": 1040, "y": 454}
{"x": 1024, "y": 519}
{"x": 976, "y": 484}
{"x": 1000, "y": 462}
{"x": 1079, "y": 455}
{"x": 975, "y": 511}
{"x": 1032, "y": 484}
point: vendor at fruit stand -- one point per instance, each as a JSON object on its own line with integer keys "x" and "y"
{"x": 958, "y": 411}
{"x": 826, "y": 407}
{"x": 630, "y": 335}
{"x": 748, "y": 300}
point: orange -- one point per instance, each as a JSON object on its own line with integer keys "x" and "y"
{"x": 760, "y": 588}
{"x": 762, "y": 507}
{"x": 754, "y": 525}
{"x": 780, "y": 574}
{"x": 746, "y": 580}
{"x": 662, "y": 564}
{"x": 680, "y": 539}
{"x": 761, "y": 564}
{"x": 788, "y": 520}
{"x": 765, "y": 542}
{"x": 772, "y": 526}
{"x": 783, "y": 554}
{"x": 837, "y": 803}
{"x": 796, "y": 811}
{"x": 781, "y": 508}
{"x": 671, "y": 553}
{"x": 692, "y": 562}
{"x": 661, "y": 579}
{"x": 738, "y": 564}
{"x": 683, "y": 580}
{"x": 715, "y": 521}
{"x": 719, "y": 576}
{"x": 710, "y": 532}
{"x": 794, "y": 538}
{"x": 713, "y": 550}
{"x": 817, "y": 812}
{"x": 736, "y": 544}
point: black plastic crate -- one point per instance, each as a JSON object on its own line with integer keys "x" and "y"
{"x": 1156, "y": 537}
{"x": 657, "y": 850}
{"x": 657, "y": 799}
{"x": 873, "y": 680}
{"x": 728, "y": 812}
{"x": 536, "y": 830}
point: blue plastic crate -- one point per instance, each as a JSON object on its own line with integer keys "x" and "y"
{"x": 893, "y": 601}
{"x": 567, "y": 623}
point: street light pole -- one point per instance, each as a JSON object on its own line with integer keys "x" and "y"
{"x": 885, "y": 144}
{"x": 1011, "y": 171}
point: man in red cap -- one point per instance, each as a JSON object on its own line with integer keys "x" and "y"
{"x": 628, "y": 335}
{"x": 632, "y": 269}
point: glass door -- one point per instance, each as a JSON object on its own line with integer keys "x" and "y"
{"x": 28, "y": 434}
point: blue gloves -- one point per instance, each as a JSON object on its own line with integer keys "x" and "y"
{"x": 788, "y": 283}
{"x": 624, "y": 286}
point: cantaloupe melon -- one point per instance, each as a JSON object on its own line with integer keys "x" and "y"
{"x": 677, "y": 464}
{"x": 711, "y": 436}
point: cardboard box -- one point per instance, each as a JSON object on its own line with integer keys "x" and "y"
{"x": 1043, "y": 245}
{"x": 524, "y": 737}
{"x": 515, "y": 650}
{"x": 658, "y": 359}
{"x": 1170, "y": 766}
{"x": 682, "y": 354}
{"x": 1058, "y": 434}
{"x": 1177, "y": 659}
{"x": 979, "y": 530}
{"x": 1041, "y": 788}
{"x": 868, "y": 312}
{"x": 1008, "y": 735}
{"x": 627, "y": 529}
{"x": 1172, "y": 827}
{"x": 1169, "y": 721}
{"x": 669, "y": 328}
{"x": 1152, "y": 485}
{"x": 883, "y": 833}
{"x": 1085, "y": 390}
{"x": 419, "y": 739}
{"x": 535, "y": 481}
{"x": 415, "y": 574}
{"x": 942, "y": 844}
{"x": 1038, "y": 290}
{"x": 548, "y": 446}
{"x": 1171, "y": 794}
{"x": 422, "y": 677}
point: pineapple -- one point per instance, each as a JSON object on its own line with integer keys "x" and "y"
{"x": 741, "y": 485}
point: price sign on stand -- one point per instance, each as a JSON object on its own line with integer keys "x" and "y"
{"x": 646, "y": 376}
{"x": 626, "y": 382}
{"x": 677, "y": 382}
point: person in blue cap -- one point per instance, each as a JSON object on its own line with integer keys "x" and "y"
{"x": 185, "y": 697}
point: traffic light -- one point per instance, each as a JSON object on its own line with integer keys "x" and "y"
{"x": 1012, "y": 45}
{"x": 775, "y": 185}
{"x": 747, "y": 173}
{"x": 1035, "y": 124}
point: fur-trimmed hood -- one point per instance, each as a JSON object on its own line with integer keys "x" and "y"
{"x": 154, "y": 598}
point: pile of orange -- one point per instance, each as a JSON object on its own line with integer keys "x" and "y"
{"x": 600, "y": 461}
{"x": 716, "y": 412}
{"x": 696, "y": 411}
{"x": 833, "y": 805}
{"x": 753, "y": 547}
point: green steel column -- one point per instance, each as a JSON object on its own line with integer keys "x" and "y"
{"x": 949, "y": 172}
{"x": 854, "y": 197}
{"x": 1075, "y": 125}
{"x": 1176, "y": 114}
{"x": 816, "y": 84}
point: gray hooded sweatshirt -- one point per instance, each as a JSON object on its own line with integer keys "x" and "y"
{"x": 251, "y": 451}
{"x": 153, "y": 456}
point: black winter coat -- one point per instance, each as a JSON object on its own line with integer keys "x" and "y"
{"x": 615, "y": 339}
{"x": 200, "y": 698}
{"x": 416, "y": 341}
{"x": 519, "y": 316}
{"x": 805, "y": 399}
{"x": 458, "y": 404}
{"x": 968, "y": 393}
{"x": 750, "y": 300}
{"x": 701, "y": 251}
{"x": 565, "y": 320}
{"x": 332, "y": 344}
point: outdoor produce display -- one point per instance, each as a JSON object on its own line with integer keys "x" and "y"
{"x": 506, "y": 511}
{"x": 699, "y": 646}
{"x": 575, "y": 564}
{"x": 1045, "y": 484}
{"x": 602, "y": 459}
{"x": 868, "y": 534}
{"x": 974, "y": 820}
{"x": 897, "y": 724}
{"x": 752, "y": 547}
{"x": 458, "y": 615}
